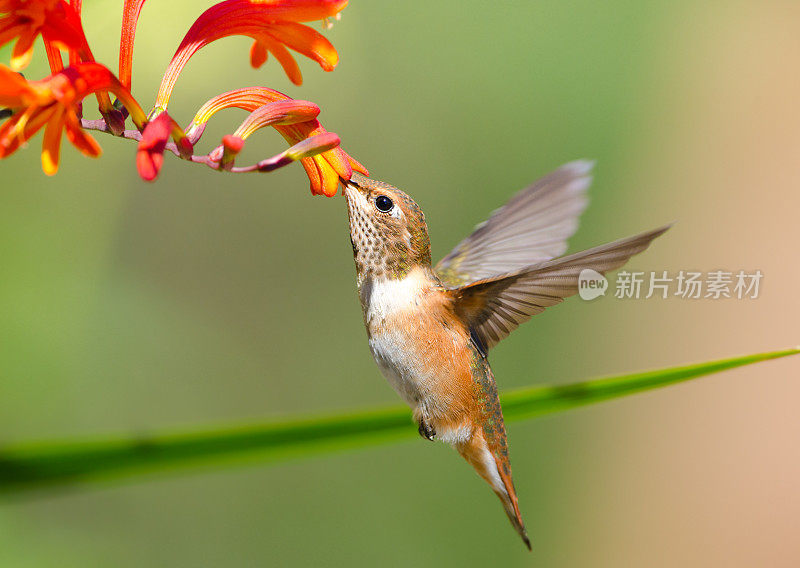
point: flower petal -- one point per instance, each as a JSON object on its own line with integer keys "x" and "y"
{"x": 307, "y": 41}
{"x": 23, "y": 51}
{"x": 150, "y": 154}
{"x": 130, "y": 17}
{"x": 51, "y": 143}
{"x": 15, "y": 91}
{"x": 256, "y": 19}
{"x": 307, "y": 148}
{"x": 314, "y": 175}
{"x": 339, "y": 162}
{"x": 53, "y": 57}
{"x": 81, "y": 139}
{"x": 9, "y": 141}
{"x": 313, "y": 146}
{"x": 22, "y": 127}
{"x": 9, "y": 30}
{"x": 271, "y": 114}
{"x": 324, "y": 181}
{"x": 330, "y": 179}
{"x": 57, "y": 21}
{"x": 286, "y": 59}
{"x": 33, "y": 119}
{"x": 298, "y": 10}
{"x": 356, "y": 165}
{"x": 258, "y": 54}
{"x": 249, "y": 99}
{"x": 231, "y": 146}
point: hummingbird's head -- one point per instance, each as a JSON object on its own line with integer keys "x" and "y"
{"x": 387, "y": 229}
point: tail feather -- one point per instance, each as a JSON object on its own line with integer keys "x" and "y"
{"x": 511, "y": 506}
{"x": 494, "y": 468}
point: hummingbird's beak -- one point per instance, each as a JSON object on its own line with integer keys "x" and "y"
{"x": 357, "y": 181}
{"x": 355, "y": 193}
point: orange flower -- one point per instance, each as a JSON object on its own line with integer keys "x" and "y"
{"x": 53, "y": 103}
{"x": 131, "y": 10}
{"x": 231, "y": 146}
{"x": 323, "y": 169}
{"x": 273, "y": 24}
{"x": 305, "y": 149}
{"x": 55, "y": 20}
{"x": 150, "y": 153}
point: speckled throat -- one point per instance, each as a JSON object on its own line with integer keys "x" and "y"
{"x": 385, "y": 246}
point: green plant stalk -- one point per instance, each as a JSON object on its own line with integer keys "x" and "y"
{"x": 50, "y": 464}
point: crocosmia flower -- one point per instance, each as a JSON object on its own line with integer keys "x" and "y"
{"x": 273, "y": 24}
{"x": 323, "y": 169}
{"x": 54, "y": 104}
{"x": 150, "y": 154}
{"x": 55, "y": 20}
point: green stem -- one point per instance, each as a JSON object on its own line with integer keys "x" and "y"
{"x": 42, "y": 465}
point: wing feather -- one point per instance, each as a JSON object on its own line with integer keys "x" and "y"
{"x": 494, "y": 307}
{"x": 532, "y": 227}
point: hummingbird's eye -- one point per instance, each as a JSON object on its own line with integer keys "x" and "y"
{"x": 383, "y": 203}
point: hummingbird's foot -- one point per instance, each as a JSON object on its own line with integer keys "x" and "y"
{"x": 426, "y": 431}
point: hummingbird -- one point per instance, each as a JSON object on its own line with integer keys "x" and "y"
{"x": 430, "y": 328}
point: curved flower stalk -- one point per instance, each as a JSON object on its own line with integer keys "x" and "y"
{"x": 55, "y": 103}
{"x": 323, "y": 169}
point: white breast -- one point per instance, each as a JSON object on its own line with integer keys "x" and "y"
{"x": 390, "y": 315}
{"x": 392, "y": 297}
{"x": 415, "y": 352}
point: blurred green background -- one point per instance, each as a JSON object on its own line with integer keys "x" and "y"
{"x": 208, "y": 298}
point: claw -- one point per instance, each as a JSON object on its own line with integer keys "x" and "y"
{"x": 426, "y": 431}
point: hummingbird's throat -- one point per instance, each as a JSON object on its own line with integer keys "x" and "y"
{"x": 380, "y": 252}
{"x": 386, "y": 244}
{"x": 378, "y": 259}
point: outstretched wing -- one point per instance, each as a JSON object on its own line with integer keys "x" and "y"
{"x": 494, "y": 307}
{"x": 532, "y": 227}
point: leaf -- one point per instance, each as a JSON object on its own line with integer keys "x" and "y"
{"x": 46, "y": 465}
